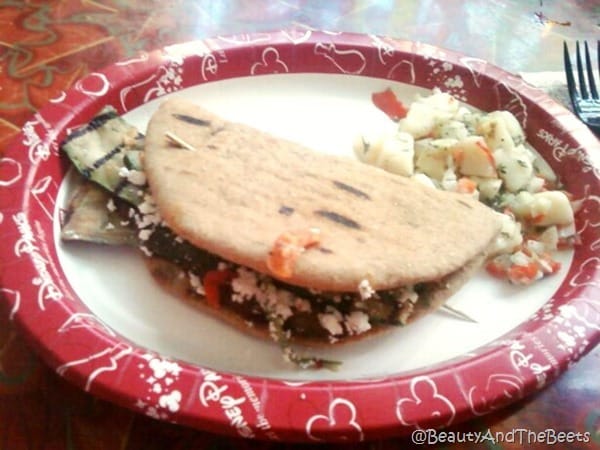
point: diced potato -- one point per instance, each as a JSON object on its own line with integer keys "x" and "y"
{"x": 368, "y": 147}
{"x": 470, "y": 119}
{"x": 397, "y": 154}
{"x": 521, "y": 203}
{"x": 488, "y": 187}
{"x": 362, "y": 147}
{"x": 514, "y": 167}
{"x": 559, "y": 211}
{"x": 473, "y": 158}
{"x": 542, "y": 169}
{"x": 452, "y": 129}
{"x": 500, "y": 130}
{"x": 509, "y": 237}
{"x": 536, "y": 184}
{"x": 549, "y": 238}
{"x": 441, "y": 102}
{"x": 426, "y": 112}
{"x": 543, "y": 208}
{"x": 514, "y": 127}
{"x": 432, "y": 156}
{"x": 419, "y": 121}
{"x": 393, "y": 152}
{"x": 464, "y": 115}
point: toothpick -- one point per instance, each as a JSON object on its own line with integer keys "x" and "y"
{"x": 178, "y": 141}
{"x": 458, "y": 313}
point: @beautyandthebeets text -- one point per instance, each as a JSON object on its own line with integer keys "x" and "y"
{"x": 521, "y": 436}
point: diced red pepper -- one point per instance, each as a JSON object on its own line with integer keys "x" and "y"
{"x": 458, "y": 154}
{"x": 389, "y": 104}
{"x": 496, "y": 269}
{"x": 488, "y": 153}
{"x": 288, "y": 247}
{"x": 523, "y": 273}
{"x": 213, "y": 282}
{"x": 466, "y": 185}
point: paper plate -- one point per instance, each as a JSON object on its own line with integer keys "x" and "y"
{"x": 97, "y": 317}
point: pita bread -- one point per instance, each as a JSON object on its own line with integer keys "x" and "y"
{"x": 235, "y": 189}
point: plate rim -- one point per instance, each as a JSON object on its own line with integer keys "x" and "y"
{"x": 440, "y": 372}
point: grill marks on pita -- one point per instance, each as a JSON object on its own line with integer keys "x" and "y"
{"x": 257, "y": 174}
{"x": 353, "y": 190}
{"x": 338, "y": 218}
{"x": 242, "y": 189}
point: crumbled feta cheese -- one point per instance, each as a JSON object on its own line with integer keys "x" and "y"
{"x": 147, "y": 206}
{"x": 405, "y": 312}
{"x": 136, "y": 177}
{"x": 365, "y": 290}
{"x": 196, "y": 283}
{"x": 109, "y": 226}
{"x": 288, "y": 354}
{"x": 110, "y": 205}
{"x": 244, "y": 286}
{"x": 407, "y": 295}
{"x": 145, "y": 250}
{"x": 250, "y": 285}
{"x": 273, "y": 332}
{"x": 282, "y": 310}
{"x": 357, "y": 322}
{"x": 144, "y": 234}
{"x": 331, "y": 323}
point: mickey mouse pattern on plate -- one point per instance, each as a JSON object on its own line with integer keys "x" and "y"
{"x": 86, "y": 351}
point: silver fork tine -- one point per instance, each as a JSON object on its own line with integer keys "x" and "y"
{"x": 580, "y": 75}
{"x": 569, "y": 73}
{"x": 590, "y": 72}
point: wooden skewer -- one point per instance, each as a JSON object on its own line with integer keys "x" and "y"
{"x": 178, "y": 141}
{"x": 458, "y": 313}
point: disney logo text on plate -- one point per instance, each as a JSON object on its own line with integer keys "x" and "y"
{"x": 28, "y": 245}
{"x": 561, "y": 150}
{"x": 212, "y": 391}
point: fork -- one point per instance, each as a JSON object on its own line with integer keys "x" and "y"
{"x": 586, "y": 104}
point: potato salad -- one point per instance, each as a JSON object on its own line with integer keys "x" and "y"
{"x": 446, "y": 145}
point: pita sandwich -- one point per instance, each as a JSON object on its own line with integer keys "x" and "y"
{"x": 290, "y": 242}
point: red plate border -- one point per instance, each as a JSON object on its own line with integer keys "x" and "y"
{"x": 88, "y": 353}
